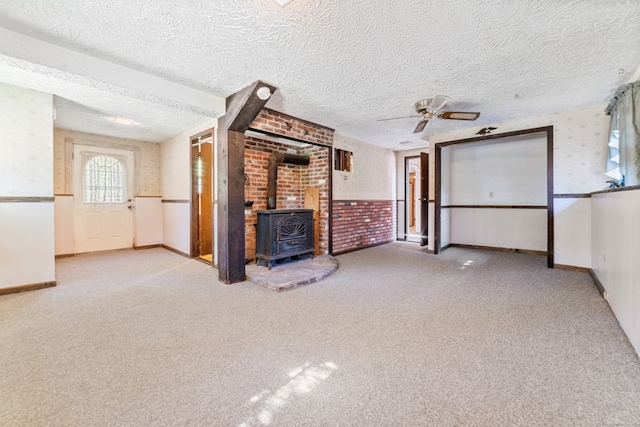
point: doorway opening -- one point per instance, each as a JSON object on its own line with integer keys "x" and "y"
{"x": 416, "y": 196}
{"x": 528, "y": 212}
{"x": 202, "y": 197}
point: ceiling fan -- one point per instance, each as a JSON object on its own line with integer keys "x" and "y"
{"x": 430, "y": 107}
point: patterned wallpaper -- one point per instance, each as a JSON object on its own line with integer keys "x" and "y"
{"x": 26, "y": 142}
{"x": 580, "y": 139}
{"x": 175, "y": 158}
{"x": 149, "y": 159}
{"x": 373, "y": 172}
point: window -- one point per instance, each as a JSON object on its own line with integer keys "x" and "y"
{"x": 104, "y": 178}
{"x": 623, "y": 151}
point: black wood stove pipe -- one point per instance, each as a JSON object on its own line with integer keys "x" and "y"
{"x": 272, "y": 176}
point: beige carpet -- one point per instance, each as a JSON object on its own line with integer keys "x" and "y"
{"x": 395, "y": 337}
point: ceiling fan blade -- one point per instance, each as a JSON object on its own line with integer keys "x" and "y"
{"x": 421, "y": 126}
{"x": 458, "y": 115}
{"x": 438, "y": 102}
{"x": 397, "y": 118}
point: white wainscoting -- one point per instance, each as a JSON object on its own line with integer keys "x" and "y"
{"x": 572, "y": 234}
{"x": 63, "y": 216}
{"x": 176, "y": 226}
{"x": 500, "y": 228}
{"x": 445, "y": 226}
{"x": 614, "y": 255}
{"x": 27, "y": 249}
{"x": 148, "y": 221}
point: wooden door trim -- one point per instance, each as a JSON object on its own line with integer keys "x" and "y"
{"x": 424, "y": 197}
{"x": 406, "y": 195}
{"x": 548, "y": 131}
{"x": 194, "y": 226}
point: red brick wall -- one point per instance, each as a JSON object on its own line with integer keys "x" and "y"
{"x": 292, "y": 181}
{"x": 359, "y": 224}
{"x": 282, "y": 124}
{"x": 256, "y": 160}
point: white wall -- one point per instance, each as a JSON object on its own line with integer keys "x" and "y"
{"x": 500, "y": 228}
{"x": 615, "y": 249}
{"x": 26, "y": 138}
{"x": 572, "y": 216}
{"x": 373, "y": 173}
{"x": 175, "y": 184}
{"x": 579, "y": 155}
{"x": 579, "y": 141}
{"x": 508, "y": 172}
{"x": 176, "y": 220}
{"x": 27, "y": 252}
{"x": 148, "y": 221}
{"x": 63, "y": 215}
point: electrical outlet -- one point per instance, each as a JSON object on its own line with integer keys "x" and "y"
{"x": 491, "y": 194}
{"x": 604, "y": 258}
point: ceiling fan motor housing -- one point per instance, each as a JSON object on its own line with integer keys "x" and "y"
{"x": 422, "y": 106}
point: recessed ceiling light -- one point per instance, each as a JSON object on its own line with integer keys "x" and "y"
{"x": 283, "y": 2}
{"x": 122, "y": 121}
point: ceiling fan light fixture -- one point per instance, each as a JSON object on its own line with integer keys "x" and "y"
{"x": 283, "y": 3}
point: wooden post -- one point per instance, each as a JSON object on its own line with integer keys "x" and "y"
{"x": 242, "y": 109}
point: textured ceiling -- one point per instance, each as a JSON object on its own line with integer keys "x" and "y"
{"x": 343, "y": 64}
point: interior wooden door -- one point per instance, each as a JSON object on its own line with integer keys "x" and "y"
{"x": 206, "y": 200}
{"x": 202, "y": 196}
{"x": 424, "y": 199}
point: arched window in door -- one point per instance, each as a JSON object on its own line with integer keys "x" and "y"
{"x": 104, "y": 178}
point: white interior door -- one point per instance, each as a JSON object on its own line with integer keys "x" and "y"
{"x": 103, "y": 198}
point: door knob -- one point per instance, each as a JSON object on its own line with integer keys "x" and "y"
{"x": 130, "y": 207}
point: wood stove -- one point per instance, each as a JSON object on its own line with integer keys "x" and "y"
{"x": 283, "y": 233}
